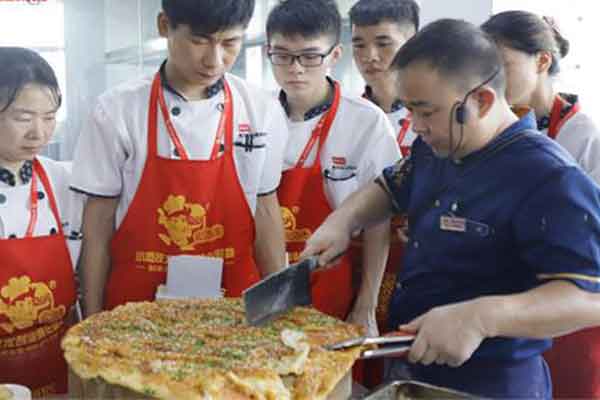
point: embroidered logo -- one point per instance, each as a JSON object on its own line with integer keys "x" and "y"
{"x": 244, "y": 129}
{"x": 185, "y": 224}
{"x": 339, "y": 161}
{"x": 292, "y": 233}
{"x": 24, "y": 303}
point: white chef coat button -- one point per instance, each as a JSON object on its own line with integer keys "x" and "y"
{"x": 41, "y": 195}
{"x": 454, "y": 207}
{"x": 398, "y": 285}
{"x": 12, "y": 236}
{"x": 2, "y": 198}
{"x": 175, "y": 111}
{"x": 53, "y": 231}
{"x": 416, "y": 244}
{"x": 176, "y": 153}
{"x": 437, "y": 203}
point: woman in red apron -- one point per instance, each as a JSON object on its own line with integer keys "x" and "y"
{"x": 37, "y": 287}
{"x": 193, "y": 212}
{"x": 532, "y": 47}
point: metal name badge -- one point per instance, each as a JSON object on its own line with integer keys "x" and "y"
{"x": 453, "y": 224}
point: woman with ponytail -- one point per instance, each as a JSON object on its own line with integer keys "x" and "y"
{"x": 532, "y": 48}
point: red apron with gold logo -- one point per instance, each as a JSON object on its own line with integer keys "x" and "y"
{"x": 37, "y": 291}
{"x": 574, "y": 359}
{"x": 304, "y": 208}
{"x": 194, "y": 207}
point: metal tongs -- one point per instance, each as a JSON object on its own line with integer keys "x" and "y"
{"x": 401, "y": 340}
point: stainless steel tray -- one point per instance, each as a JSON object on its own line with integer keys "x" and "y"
{"x": 406, "y": 390}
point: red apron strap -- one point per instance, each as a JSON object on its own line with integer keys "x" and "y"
{"x": 33, "y": 204}
{"x": 225, "y": 124}
{"x": 321, "y": 131}
{"x": 39, "y": 170}
{"x": 556, "y": 122}
{"x": 153, "y": 117}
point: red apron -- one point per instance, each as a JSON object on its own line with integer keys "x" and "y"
{"x": 194, "y": 207}
{"x": 304, "y": 208}
{"x": 37, "y": 291}
{"x": 574, "y": 359}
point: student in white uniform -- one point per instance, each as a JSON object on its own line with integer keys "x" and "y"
{"x": 532, "y": 48}
{"x": 379, "y": 29}
{"x": 337, "y": 144}
{"x": 183, "y": 162}
{"x": 37, "y": 285}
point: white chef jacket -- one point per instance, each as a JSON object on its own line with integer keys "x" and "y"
{"x": 396, "y": 118}
{"x": 360, "y": 144}
{"x": 16, "y": 205}
{"x": 581, "y": 138}
{"x": 111, "y": 153}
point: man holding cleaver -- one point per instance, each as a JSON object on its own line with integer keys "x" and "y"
{"x": 504, "y": 226}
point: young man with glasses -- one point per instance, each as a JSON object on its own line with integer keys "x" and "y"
{"x": 336, "y": 145}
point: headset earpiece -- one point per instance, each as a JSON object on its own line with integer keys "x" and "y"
{"x": 461, "y": 108}
{"x": 461, "y": 113}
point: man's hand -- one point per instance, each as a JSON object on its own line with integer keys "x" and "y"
{"x": 449, "y": 334}
{"x": 328, "y": 242}
{"x": 364, "y": 317}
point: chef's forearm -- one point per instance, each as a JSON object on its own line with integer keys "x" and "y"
{"x": 269, "y": 246}
{"x": 94, "y": 265}
{"x": 374, "y": 259}
{"x": 553, "y": 309}
{"x": 363, "y": 209}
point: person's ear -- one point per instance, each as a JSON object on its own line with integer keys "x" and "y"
{"x": 163, "y": 24}
{"x": 336, "y": 55}
{"x": 543, "y": 61}
{"x": 485, "y": 98}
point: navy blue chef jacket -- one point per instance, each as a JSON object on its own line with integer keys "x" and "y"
{"x": 530, "y": 216}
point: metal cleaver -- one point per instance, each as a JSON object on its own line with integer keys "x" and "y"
{"x": 280, "y": 292}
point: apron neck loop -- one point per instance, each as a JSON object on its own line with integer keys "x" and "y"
{"x": 157, "y": 100}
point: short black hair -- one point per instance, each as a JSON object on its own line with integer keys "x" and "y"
{"x": 21, "y": 67}
{"x": 456, "y": 49}
{"x": 208, "y": 16}
{"x": 529, "y": 33}
{"x": 306, "y": 18}
{"x": 372, "y": 12}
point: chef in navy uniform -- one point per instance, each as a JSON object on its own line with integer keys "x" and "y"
{"x": 532, "y": 48}
{"x": 37, "y": 285}
{"x": 504, "y": 225}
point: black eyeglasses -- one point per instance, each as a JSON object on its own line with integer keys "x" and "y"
{"x": 305, "y": 59}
